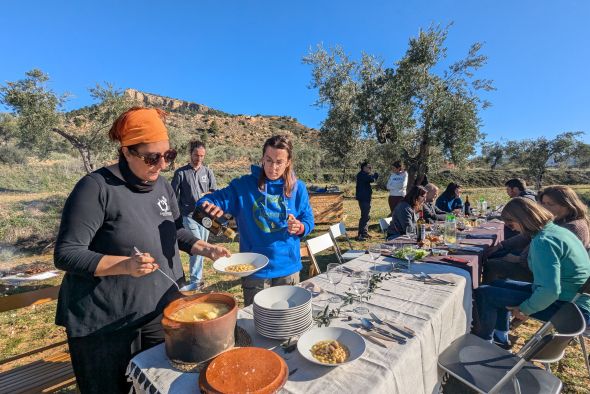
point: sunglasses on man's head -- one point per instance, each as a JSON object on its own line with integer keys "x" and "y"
{"x": 152, "y": 159}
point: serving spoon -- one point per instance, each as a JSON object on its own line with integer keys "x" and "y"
{"x": 184, "y": 290}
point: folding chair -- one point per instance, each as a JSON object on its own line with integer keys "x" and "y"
{"x": 487, "y": 368}
{"x": 384, "y": 224}
{"x": 339, "y": 230}
{"x": 317, "y": 245}
{"x": 584, "y": 290}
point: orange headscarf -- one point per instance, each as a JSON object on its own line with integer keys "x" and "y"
{"x": 139, "y": 126}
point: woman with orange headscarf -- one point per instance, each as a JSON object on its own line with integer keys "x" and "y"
{"x": 111, "y": 298}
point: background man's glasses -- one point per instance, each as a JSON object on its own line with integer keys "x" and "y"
{"x": 152, "y": 159}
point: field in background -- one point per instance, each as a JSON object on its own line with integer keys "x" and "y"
{"x": 31, "y": 199}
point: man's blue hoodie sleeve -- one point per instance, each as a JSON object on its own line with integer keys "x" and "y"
{"x": 226, "y": 198}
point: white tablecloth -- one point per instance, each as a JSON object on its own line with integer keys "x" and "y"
{"x": 438, "y": 314}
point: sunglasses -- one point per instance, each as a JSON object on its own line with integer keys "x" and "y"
{"x": 152, "y": 159}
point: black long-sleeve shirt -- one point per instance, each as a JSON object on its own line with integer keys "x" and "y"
{"x": 432, "y": 213}
{"x": 104, "y": 216}
{"x": 364, "y": 191}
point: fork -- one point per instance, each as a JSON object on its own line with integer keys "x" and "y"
{"x": 446, "y": 282}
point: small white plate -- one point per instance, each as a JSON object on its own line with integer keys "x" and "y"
{"x": 258, "y": 260}
{"x": 353, "y": 341}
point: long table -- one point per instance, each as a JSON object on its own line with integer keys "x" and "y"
{"x": 437, "y": 313}
{"x": 475, "y": 241}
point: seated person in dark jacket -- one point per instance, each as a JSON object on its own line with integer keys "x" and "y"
{"x": 405, "y": 213}
{"x": 450, "y": 200}
{"x": 431, "y": 212}
{"x": 516, "y": 187}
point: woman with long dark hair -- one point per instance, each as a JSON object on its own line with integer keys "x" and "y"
{"x": 450, "y": 199}
{"x": 405, "y": 213}
{"x": 272, "y": 211}
{"x": 568, "y": 209}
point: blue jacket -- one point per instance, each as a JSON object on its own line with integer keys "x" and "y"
{"x": 261, "y": 217}
{"x": 446, "y": 203}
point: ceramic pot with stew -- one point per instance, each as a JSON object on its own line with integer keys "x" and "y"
{"x": 199, "y": 327}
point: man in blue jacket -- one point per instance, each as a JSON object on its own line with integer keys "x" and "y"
{"x": 272, "y": 211}
{"x": 364, "y": 192}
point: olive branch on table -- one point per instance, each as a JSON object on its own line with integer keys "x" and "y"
{"x": 326, "y": 316}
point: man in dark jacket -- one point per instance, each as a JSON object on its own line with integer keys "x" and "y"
{"x": 431, "y": 212}
{"x": 190, "y": 183}
{"x": 517, "y": 188}
{"x": 364, "y": 192}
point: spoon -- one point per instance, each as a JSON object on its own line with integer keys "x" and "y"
{"x": 163, "y": 273}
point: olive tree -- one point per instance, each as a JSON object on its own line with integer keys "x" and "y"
{"x": 334, "y": 76}
{"x": 536, "y": 154}
{"x": 493, "y": 153}
{"x": 409, "y": 104}
{"x": 41, "y": 118}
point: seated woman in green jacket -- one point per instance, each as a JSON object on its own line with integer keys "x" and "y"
{"x": 560, "y": 266}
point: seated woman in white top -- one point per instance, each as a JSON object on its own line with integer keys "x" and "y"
{"x": 396, "y": 184}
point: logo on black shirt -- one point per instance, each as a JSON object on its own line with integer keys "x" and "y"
{"x": 163, "y": 205}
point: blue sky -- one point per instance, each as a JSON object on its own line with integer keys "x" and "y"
{"x": 245, "y": 56}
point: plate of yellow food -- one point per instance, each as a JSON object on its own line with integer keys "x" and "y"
{"x": 331, "y": 346}
{"x": 240, "y": 264}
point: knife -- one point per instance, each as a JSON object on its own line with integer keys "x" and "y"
{"x": 367, "y": 325}
{"x": 405, "y": 330}
{"x": 391, "y": 335}
{"x": 371, "y": 338}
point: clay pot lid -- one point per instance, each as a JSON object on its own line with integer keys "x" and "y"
{"x": 245, "y": 370}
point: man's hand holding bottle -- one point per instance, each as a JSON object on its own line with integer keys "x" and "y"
{"x": 212, "y": 209}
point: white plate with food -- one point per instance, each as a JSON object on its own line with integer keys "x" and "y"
{"x": 331, "y": 346}
{"x": 241, "y": 264}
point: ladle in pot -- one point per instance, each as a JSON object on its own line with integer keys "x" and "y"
{"x": 184, "y": 290}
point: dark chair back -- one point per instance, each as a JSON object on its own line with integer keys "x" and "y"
{"x": 585, "y": 289}
{"x": 568, "y": 323}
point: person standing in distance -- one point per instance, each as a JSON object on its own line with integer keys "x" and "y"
{"x": 363, "y": 195}
{"x": 190, "y": 183}
{"x": 396, "y": 184}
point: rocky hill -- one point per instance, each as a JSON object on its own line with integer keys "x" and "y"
{"x": 221, "y": 128}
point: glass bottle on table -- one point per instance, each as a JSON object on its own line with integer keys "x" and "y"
{"x": 467, "y": 207}
{"x": 420, "y": 228}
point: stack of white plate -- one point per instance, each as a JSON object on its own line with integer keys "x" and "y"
{"x": 282, "y": 312}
